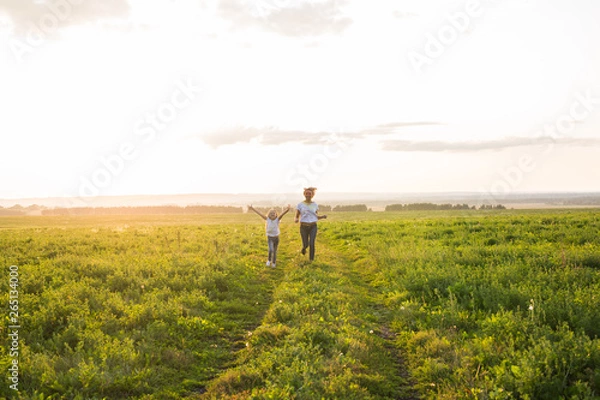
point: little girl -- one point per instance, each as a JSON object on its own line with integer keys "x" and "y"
{"x": 272, "y": 228}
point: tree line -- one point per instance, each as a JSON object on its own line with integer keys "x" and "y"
{"x": 198, "y": 209}
{"x": 148, "y": 210}
{"x": 432, "y": 206}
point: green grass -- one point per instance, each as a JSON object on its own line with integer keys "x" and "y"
{"x": 504, "y": 306}
{"x": 134, "y": 308}
{"x": 323, "y": 337}
{"x": 443, "y": 304}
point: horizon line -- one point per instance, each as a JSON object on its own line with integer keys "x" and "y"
{"x": 474, "y": 192}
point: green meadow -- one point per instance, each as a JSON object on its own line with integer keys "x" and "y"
{"x": 490, "y": 304}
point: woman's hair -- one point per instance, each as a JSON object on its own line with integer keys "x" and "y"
{"x": 312, "y": 189}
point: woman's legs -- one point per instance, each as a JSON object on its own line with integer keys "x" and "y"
{"x": 304, "y": 234}
{"x": 308, "y": 234}
{"x": 312, "y": 238}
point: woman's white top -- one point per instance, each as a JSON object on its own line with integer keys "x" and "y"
{"x": 272, "y": 226}
{"x": 308, "y": 212}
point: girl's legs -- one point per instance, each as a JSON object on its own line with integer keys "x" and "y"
{"x": 271, "y": 249}
{"x": 273, "y": 244}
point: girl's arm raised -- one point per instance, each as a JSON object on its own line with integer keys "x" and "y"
{"x": 258, "y": 212}
{"x": 285, "y": 212}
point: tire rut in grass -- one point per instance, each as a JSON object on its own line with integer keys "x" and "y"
{"x": 321, "y": 337}
{"x": 361, "y": 267}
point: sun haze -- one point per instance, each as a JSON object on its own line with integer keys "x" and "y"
{"x": 135, "y": 97}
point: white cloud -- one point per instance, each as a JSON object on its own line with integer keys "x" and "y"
{"x": 43, "y": 14}
{"x": 288, "y": 18}
{"x": 277, "y": 136}
{"x": 476, "y": 146}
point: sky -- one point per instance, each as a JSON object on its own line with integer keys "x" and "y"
{"x": 127, "y": 97}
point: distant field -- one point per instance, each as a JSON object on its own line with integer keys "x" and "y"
{"x": 437, "y": 305}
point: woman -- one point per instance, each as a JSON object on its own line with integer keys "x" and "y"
{"x": 307, "y": 215}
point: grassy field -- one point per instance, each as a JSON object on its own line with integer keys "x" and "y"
{"x": 432, "y": 305}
